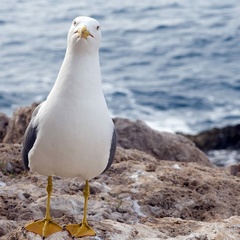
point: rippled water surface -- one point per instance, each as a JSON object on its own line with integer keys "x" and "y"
{"x": 174, "y": 64}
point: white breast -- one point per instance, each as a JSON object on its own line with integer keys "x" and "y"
{"x": 74, "y": 128}
{"x": 72, "y": 141}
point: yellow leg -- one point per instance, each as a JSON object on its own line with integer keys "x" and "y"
{"x": 82, "y": 229}
{"x": 46, "y": 226}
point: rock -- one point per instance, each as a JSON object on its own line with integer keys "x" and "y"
{"x": 183, "y": 190}
{"x": 18, "y": 124}
{"x": 4, "y": 121}
{"x": 138, "y": 197}
{"x": 163, "y": 229}
{"x": 7, "y": 226}
{"x": 10, "y": 158}
{"x": 161, "y": 145}
{"x": 217, "y": 138}
{"x": 234, "y": 170}
{"x": 131, "y": 135}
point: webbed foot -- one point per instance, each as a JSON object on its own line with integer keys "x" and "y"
{"x": 80, "y": 230}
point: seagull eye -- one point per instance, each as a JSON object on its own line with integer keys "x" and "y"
{"x": 98, "y": 27}
{"x": 74, "y": 23}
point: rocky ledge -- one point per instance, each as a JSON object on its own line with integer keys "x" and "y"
{"x": 160, "y": 186}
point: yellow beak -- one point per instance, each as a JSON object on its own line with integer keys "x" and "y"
{"x": 83, "y": 32}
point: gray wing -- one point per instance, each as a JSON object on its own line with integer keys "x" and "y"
{"x": 29, "y": 138}
{"x": 112, "y": 150}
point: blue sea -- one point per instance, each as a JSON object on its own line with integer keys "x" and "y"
{"x": 172, "y": 63}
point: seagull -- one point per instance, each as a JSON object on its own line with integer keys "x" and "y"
{"x": 71, "y": 134}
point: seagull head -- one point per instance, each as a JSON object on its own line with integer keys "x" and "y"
{"x": 84, "y": 34}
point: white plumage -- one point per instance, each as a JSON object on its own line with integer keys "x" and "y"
{"x": 71, "y": 134}
{"x": 74, "y": 127}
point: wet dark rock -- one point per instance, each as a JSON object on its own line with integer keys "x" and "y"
{"x": 217, "y": 138}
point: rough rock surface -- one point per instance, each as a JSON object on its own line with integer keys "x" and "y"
{"x": 17, "y": 125}
{"x": 4, "y": 121}
{"x": 10, "y": 158}
{"x": 161, "y": 145}
{"x": 138, "y": 197}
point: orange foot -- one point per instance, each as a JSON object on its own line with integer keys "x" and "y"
{"x": 80, "y": 230}
{"x": 43, "y": 227}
